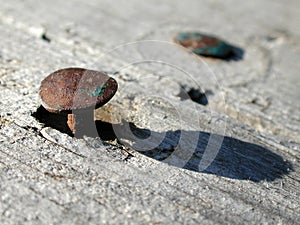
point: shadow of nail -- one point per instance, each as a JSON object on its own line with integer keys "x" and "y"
{"x": 236, "y": 54}
{"x": 235, "y": 159}
{"x": 54, "y": 120}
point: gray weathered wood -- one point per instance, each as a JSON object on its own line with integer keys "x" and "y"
{"x": 251, "y": 122}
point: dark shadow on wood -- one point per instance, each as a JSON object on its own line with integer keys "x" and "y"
{"x": 59, "y": 122}
{"x": 236, "y": 54}
{"x": 235, "y": 159}
{"x": 54, "y": 120}
{"x": 196, "y": 95}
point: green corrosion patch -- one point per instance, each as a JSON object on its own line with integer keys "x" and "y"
{"x": 222, "y": 49}
{"x": 184, "y": 36}
{"x": 99, "y": 91}
{"x": 96, "y": 93}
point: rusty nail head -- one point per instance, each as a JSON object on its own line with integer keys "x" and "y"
{"x": 75, "y": 89}
{"x": 203, "y": 44}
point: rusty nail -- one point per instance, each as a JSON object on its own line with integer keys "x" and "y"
{"x": 75, "y": 93}
{"x": 203, "y": 44}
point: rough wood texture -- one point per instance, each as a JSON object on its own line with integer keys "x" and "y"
{"x": 234, "y": 160}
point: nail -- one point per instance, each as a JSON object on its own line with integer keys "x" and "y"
{"x": 203, "y": 44}
{"x": 75, "y": 93}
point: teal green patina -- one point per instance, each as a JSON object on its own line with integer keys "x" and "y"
{"x": 203, "y": 44}
{"x": 96, "y": 93}
{"x": 184, "y": 36}
{"x": 222, "y": 49}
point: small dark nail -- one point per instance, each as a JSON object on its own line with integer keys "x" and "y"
{"x": 75, "y": 93}
{"x": 202, "y": 44}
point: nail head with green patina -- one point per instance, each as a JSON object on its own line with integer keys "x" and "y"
{"x": 76, "y": 89}
{"x": 204, "y": 44}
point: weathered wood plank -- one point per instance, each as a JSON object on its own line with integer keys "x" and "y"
{"x": 231, "y": 161}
